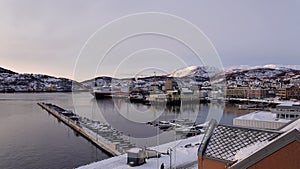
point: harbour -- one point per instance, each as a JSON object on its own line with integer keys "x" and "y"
{"x": 58, "y": 113}
{"x": 110, "y": 140}
{"x": 149, "y": 85}
{"x": 74, "y": 149}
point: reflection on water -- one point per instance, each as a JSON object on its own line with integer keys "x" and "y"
{"x": 31, "y": 138}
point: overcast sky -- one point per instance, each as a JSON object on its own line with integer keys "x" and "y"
{"x": 45, "y": 36}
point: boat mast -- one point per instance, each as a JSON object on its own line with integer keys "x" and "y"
{"x": 154, "y": 82}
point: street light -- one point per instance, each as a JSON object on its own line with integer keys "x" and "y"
{"x": 169, "y": 151}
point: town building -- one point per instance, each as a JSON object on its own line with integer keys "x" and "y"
{"x": 168, "y": 85}
{"x": 287, "y": 110}
{"x": 289, "y": 93}
{"x": 246, "y": 92}
{"x": 260, "y": 119}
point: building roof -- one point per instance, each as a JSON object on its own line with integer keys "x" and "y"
{"x": 262, "y": 116}
{"x": 268, "y": 149}
{"x": 134, "y": 150}
{"x": 226, "y": 141}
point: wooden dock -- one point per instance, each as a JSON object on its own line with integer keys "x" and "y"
{"x": 109, "y": 148}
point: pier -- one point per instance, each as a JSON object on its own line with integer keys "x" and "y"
{"x": 72, "y": 121}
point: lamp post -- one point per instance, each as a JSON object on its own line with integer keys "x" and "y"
{"x": 97, "y": 133}
{"x": 169, "y": 151}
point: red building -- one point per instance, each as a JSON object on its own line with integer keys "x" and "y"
{"x": 243, "y": 148}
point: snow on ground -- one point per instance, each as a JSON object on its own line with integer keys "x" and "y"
{"x": 181, "y": 157}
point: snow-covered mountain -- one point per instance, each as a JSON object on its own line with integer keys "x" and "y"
{"x": 2, "y": 70}
{"x": 186, "y": 71}
{"x": 270, "y": 70}
{"x": 261, "y": 73}
{"x": 271, "y": 66}
{"x": 14, "y": 82}
{"x": 244, "y": 75}
{"x": 199, "y": 73}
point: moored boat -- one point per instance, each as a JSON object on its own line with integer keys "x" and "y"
{"x": 109, "y": 92}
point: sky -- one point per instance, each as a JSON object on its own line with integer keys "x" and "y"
{"x": 47, "y": 36}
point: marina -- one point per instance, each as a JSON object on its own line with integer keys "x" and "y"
{"x": 69, "y": 120}
{"x": 89, "y": 111}
{"x": 110, "y": 139}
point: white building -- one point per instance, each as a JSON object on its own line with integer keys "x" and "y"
{"x": 260, "y": 119}
{"x": 287, "y": 110}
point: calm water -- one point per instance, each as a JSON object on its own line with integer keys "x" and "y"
{"x": 31, "y": 138}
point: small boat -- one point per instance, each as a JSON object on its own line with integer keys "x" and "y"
{"x": 246, "y": 106}
{"x": 194, "y": 132}
{"x": 158, "y": 98}
{"x": 183, "y": 129}
{"x": 136, "y": 98}
{"x": 164, "y": 125}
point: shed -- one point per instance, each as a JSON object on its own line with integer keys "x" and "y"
{"x": 135, "y": 156}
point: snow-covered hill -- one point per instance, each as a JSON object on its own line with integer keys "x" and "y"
{"x": 184, "y": 72}
{"x": 271, "y": 66}
{"x": 199, "y": 73}
{"x": 269, "y": 70}
{"x": 257, "y": 76}
{"x": 14, "y": 82}
{"x": 2, "y": 70}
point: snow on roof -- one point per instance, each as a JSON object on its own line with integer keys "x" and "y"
{"x": 226, "y": 141}
{"x": 262, "y": 116}
{"x": 134, "y": 150}
{"x": 250, "y": 155}
{"x": 249, "y": 150}
{"x": 293, "y": 125}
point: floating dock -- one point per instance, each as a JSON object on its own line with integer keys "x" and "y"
{"x": 69, "y": 121}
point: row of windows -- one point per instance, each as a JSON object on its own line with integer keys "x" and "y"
{"x": 289, "y": 110}
{"x": 294, "y": 93}
{"x": 287, "y": 116}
